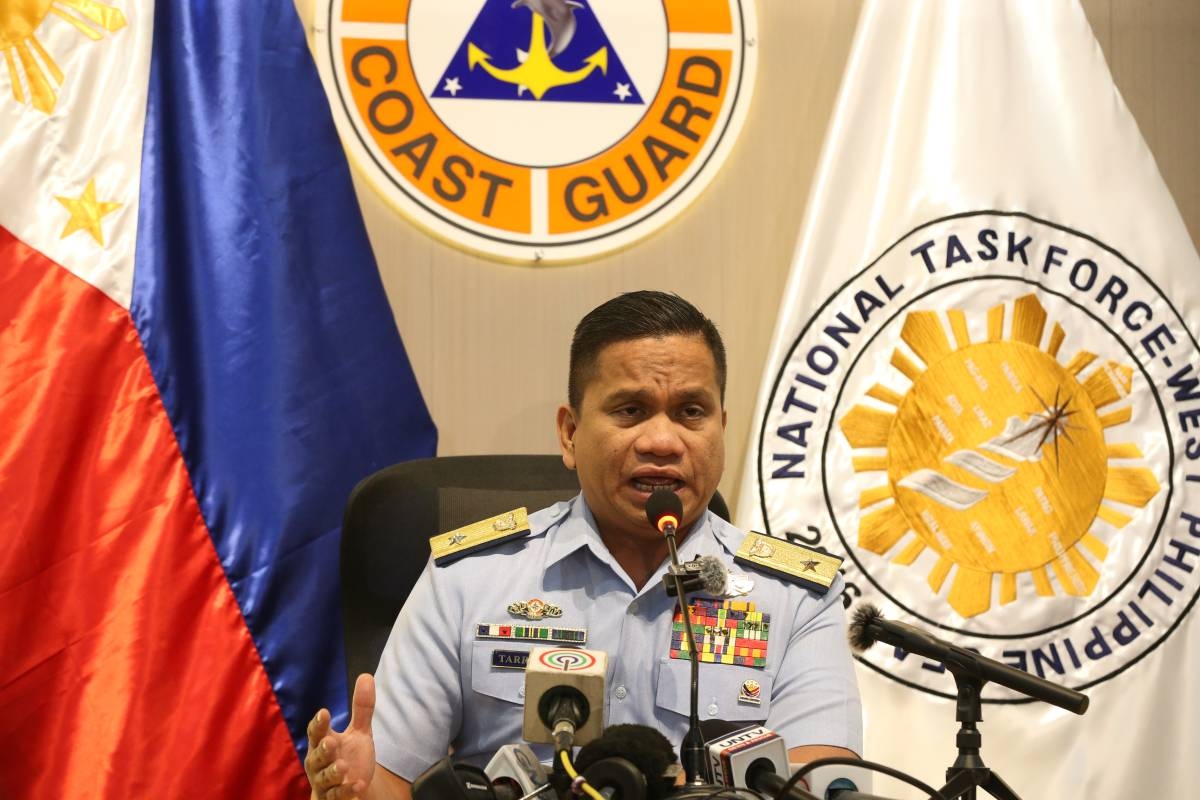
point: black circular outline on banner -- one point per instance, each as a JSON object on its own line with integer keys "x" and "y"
{"x": 1136, "y": 567}
{"x": 762, "y": 498}
{"x": 337, "y": 71}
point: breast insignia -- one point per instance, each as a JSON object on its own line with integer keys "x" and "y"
{"x": 790, "y": 562}
{"x": 453, "y": 545}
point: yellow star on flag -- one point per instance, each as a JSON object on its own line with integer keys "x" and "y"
{"x": 86, "y": 212}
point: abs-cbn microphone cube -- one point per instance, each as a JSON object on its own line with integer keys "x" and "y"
{"x": 564, "y": 683}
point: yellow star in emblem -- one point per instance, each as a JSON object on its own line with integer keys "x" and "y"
{"x": 86, "y": 212}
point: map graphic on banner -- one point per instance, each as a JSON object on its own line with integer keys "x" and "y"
{"x": 984, "y": 393}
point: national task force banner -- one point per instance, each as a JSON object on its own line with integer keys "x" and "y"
{"x": 984, "y": 393}
{"x": 197, "y": 363}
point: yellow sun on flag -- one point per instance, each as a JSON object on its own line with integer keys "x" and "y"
{"x": 25, "y": 55}
{"x": 996, "y": 458}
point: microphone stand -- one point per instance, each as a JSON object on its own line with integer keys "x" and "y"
{"x": 691, "y": 751}
{"x": 968, "y": 771}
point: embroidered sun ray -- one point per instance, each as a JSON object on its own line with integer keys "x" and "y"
{"x": 996, "y": 458}
{"x": 29, "y": 64}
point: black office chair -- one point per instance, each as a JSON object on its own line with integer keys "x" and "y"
{"x": 392, "y": 514}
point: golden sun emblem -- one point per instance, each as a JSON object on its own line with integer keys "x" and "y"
{"x": 25, "y": 55}
{"x": 996, "y": 458}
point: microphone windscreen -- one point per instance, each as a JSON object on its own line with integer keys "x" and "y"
{"x": 663, "y": 502}
{"x": 644, "y": 747}
{"x": 713, "y": 575}
{"x": 861, "y": 636}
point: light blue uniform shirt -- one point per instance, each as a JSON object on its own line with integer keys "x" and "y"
{"x": 437, "y": 687}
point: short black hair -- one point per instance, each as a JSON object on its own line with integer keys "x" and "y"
{"x": 637, "y": 315}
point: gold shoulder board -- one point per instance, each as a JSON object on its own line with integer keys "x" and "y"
{"x": 449, "y": 547}
{"x": 786, "y": 561}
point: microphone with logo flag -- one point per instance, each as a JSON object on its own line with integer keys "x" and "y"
{"x": 564, "y": 696}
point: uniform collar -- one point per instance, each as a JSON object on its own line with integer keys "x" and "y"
{"x": 573, "y": 528}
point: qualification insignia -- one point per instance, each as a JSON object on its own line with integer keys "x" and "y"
{"x": 534, "y": 609}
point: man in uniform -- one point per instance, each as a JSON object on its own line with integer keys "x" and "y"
{"x": 645, "y": 411}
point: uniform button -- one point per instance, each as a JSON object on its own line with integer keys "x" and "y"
{"x": 621, "y": 693}
{"x": 521, "y": 692}
{"x": 712, "y": 709}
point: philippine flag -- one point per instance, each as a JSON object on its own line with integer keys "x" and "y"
{"x": 197, "y": 364}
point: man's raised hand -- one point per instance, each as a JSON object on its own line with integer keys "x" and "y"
{"x": 340, "y": 765}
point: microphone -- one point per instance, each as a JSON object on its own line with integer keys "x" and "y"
{"x": 870, "y": 626}
{"x": 447, "y": 780}
{"x": 516, "y": 772}
{"x": 841, "y": 782}
{"x": 706, "y": 574}
{"x": 664, "y": 509}
{"x": 632, "y": 760}
{"x": 564, "y": 696}
{"x": 754, "y": 758}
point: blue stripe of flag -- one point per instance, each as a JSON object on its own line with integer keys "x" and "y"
{"x": 261, "y": 310}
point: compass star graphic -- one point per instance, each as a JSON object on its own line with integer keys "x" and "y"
{"x": 1051, "y": 423}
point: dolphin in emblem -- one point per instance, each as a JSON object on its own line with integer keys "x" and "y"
{"x": 560, "y": 19}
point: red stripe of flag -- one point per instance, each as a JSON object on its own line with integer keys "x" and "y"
{"x": 126, "y": 668}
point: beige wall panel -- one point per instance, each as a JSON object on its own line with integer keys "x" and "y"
{"x": 489, "y": 341}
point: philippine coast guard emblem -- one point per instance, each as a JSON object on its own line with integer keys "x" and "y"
{"x": 538, "y": 130}
{"x": 999, "y": 417}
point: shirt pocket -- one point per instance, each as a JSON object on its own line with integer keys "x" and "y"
{"x": 727, "y": 691}
{"x": 501, "y": 683}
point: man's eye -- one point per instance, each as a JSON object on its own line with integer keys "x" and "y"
{"x": 693, "y": 412}
{"x": 628, "y": 411}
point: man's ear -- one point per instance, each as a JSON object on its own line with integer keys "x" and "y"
{"x": 567, "y": 425}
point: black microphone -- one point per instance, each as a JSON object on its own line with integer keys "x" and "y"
{"x": 869, "y": 626}
{"x": 447, "y": 780}
{"x": 664, "y": 509}
{"x": 631, "y": 761}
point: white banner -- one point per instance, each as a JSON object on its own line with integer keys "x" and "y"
{"x": 984, "y": 393}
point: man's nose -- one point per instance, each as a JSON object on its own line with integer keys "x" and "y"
{"x": 659, "y": 436}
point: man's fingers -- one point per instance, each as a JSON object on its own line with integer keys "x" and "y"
{"x": 331, "y": 776}
{"x": 345, "y": 792}
{"x": 363, "y": 705}
{"x": 318, "y": 726}
{"x": 320, "y": 755}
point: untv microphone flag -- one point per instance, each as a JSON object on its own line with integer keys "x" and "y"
{"x": 984, "y": 393}
{"x": 197, "y": 364}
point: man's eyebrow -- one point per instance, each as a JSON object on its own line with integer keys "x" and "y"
{"x": 626, "y": 396}
{"x": 695, "y": 394}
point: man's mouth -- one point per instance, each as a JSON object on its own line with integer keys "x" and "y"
{"x": 648, "y": 483}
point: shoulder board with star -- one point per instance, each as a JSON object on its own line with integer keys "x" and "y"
{"x": 449, "y": 547}
{"x": 790, "y": 562}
